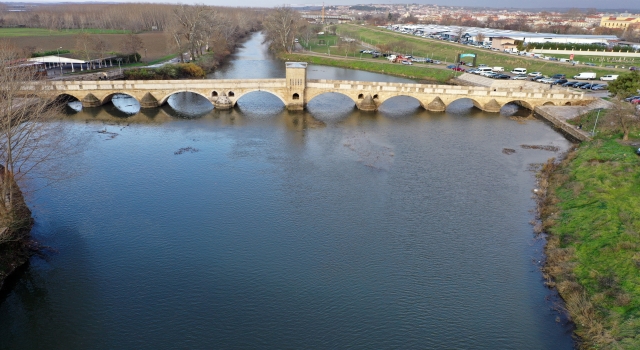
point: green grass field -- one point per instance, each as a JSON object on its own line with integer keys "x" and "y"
{"x": 18, "y": 32}
{"x": 594, "y": 249}
{"x": 383, "y": 66}
{"x": 445, "y": 51}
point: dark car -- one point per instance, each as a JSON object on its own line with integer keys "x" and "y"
{"x": 579, "y": 85}
{"x": 628, "y": 99}
{"x": 586, "y": 86}
{"x": 501, "y": 76}
{"x": 451, "y": 66}
{"x": 537, "y": 77}
{"x": 599, "y": 87}
{"x": 385, "y": 55}
{"x": 569, "y": 83}
{"x": 633, "y": 68}
{"x": 559, "y": 76}
{"x": 559, "y": 82}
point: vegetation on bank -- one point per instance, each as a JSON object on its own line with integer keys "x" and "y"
{"x": 166, "y": 72}
{"x": 589, "y": 206}
{"x": 412, "y": 72}
{"x": 386, "y": 40}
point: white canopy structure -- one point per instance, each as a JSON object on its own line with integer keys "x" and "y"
{"x": 61, "y": 61}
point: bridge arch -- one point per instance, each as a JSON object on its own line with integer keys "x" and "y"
{"x": 164, "y": 99}
{"x": 67, "y": 95}
{"x": 380, "y": 102}
{"x": 313, "y": 95}
{"x": 238, "y": 96}
{"x": 549, "y": 103}
{"x": 109, "y": 97}
{"x": 521, "y": 103}
{"x": 461, "y": 103}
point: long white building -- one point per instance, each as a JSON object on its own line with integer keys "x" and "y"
{"x": 472, "y": 34}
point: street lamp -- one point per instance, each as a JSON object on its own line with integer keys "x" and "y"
{"x": 59, "y": 64}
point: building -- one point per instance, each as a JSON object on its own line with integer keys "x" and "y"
{"x": 622, "y": 22}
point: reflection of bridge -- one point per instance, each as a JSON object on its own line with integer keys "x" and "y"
{"x": 295, "y": 91}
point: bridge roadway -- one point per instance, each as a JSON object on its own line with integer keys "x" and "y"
{"x": 295, "y": 91}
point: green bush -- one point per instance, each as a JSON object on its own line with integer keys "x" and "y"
{"x": 166, "y": 72}
{"x": 49, "y": 53}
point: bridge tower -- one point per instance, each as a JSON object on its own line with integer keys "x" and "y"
{"x": 296, "y": 85}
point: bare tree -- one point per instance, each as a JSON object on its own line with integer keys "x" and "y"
{"x": 100, "y": 47}
{"x": 623, "y": 116}
{"x": 282, "y": 25}
{"x": 84, "y": 46}
{"x": 480, "y": 37}
{"x": 132, "y": 44}
{"x": 33, "y": 140}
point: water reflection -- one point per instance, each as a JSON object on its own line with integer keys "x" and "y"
{"x": 188, "y": 105}
{"x": 126, "y": 104}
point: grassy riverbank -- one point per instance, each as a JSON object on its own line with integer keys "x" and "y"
{"x": 446, "y": 51}
{"x": 591, "y": 213}
{"x": 412, "y": 72}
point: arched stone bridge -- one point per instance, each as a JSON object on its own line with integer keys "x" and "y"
{"x": 296, "y": 90}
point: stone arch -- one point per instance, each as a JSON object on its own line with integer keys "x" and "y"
{"x": 231, "y": 94}
{"x": 312, "y": 96}
{"x": 476, "y": 104}
{"x": 381, "y": 102}
{"x": 568, "y": 103}
{"x": 548, "y": 103}
{"x": 214, "y": 93}
{"x": 239, "y": 96}
{"x": 521, "y": 103}
{"x": 360, "y": 96}
{"x": 295, "y": 96}
{"x": 65, "y": 97}
{"x": 164, "y": 99}
{"x": 108, "y": 97}
{"x": 375, "y": 97}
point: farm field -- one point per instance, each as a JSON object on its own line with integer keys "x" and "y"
{"x": 156, "y": 44}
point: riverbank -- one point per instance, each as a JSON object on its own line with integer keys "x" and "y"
{"x": 589, "y": 204}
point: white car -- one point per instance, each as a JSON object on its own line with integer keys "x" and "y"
{"x": 547, "y": 80}
{"x": 519, "y": 77}
{"x": 535, "y": 74}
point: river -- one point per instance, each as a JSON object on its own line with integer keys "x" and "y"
{"x": 187, "y": 227}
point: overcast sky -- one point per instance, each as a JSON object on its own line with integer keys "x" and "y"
{"x": 599, "y": 4}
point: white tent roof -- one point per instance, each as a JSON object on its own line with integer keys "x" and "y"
{"x": 55, "y": 59}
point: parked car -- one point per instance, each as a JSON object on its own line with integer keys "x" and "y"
{"x": 436, "y": 62}
{"x": 559, "y": 76}
{"x": 559, "y": 82}
{"x": 458, "y": 69}
{"x": 451, "y": 66}
{"x": 407, "y": 62}
{"x": 535, "y": 74}
{"x": 633, "y": 68}
{"x": 628, "y": 99}
{"x": 538, "y": 77}
{"x": 519, "y": 77}
{"x": 546, "y": 80}
{"x": 473, "y": 71}
{"x": 586, "y": 86}
{"x": 578, "y": 85}
{"x": 487, "y": 74}
{"x": 501, "y": 76}
{"x": 599, "y": 87}
{"x": 609, "y": 77}
{"x": 585, "y": 75}
{"x": 636, "y": 101}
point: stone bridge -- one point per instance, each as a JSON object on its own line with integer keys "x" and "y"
{"x": 295, "y": 91}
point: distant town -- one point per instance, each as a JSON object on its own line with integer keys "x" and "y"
{"x": 624, "y": 25}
